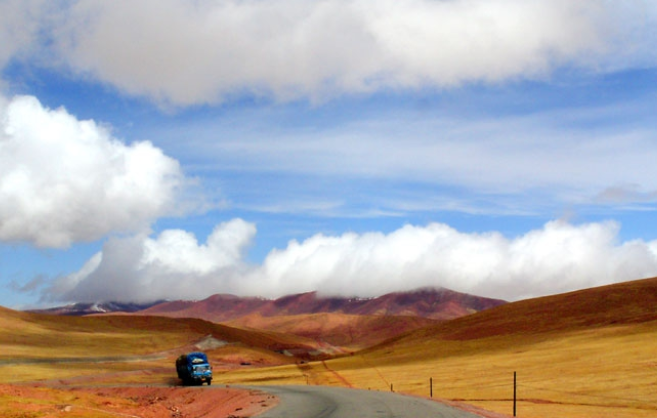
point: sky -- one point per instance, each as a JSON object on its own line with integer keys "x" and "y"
{"x": 175, "y": 149}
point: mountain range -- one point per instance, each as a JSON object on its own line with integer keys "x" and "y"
{"x": 431, "y": 303}
{"x": 83, "y": 308}
{"x": 347, "y": 323}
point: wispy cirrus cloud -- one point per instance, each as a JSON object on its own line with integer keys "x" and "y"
{"x": 398, "y": 161}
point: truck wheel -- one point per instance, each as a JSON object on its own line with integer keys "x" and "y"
{"x": 209, "y": 382}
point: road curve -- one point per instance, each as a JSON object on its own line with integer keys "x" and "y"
{"x": 335, "y": 402}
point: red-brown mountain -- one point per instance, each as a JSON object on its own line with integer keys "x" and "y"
{"x": 432, "y": 303}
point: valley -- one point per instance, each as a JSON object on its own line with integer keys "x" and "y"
{"x": 589, "y": 353}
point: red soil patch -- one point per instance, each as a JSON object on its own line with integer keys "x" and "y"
{"x": 138, "y": 402}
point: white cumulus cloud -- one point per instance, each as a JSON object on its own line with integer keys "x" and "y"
{"x": 64, "y": 180}
{"x": 173, "y": 265}
{"x": 556, "y": 258}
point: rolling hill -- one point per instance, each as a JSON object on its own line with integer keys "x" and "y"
{"x": 626, "y": 303}
{"x": 348, "y": 332}
{"x": 589, "y": 353}
{"x": 346, "y": 323}
{"x": 29, "y": 337}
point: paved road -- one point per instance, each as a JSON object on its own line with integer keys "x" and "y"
{"x": 333, "y": 402}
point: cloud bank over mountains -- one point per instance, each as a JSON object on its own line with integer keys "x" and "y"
{"x": 557, "y": 258}
{"x": 181, "y": 53}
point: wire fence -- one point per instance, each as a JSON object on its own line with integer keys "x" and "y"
{"x": 521, "y": 392}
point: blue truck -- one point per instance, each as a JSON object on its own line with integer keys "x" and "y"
{"x": 194, "y": 369}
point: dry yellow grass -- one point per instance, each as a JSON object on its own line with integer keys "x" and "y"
{"x": 586, "y": 354}
{"x": 122, "y": 349}
{"x": 607, "y": 372}
{"x": 568, "y": 375}
{"x": 28, "y": 336}
{"x": 24, "y": 335}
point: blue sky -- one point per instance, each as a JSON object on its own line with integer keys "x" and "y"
{"x": 176, "y": 149}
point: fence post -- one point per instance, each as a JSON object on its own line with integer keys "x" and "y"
{"x": 431, "y": 386}
{"x": 515, "y": 385}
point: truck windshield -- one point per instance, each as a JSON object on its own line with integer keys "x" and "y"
{"x": 201, "y": 369}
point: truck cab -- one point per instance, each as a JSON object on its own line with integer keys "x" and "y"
{"x": 194, "y": 369}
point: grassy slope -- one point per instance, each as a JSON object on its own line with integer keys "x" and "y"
{"x": 33, "y": 346}
{"x": 36, "y": 336}
{"x": 583, "y": 354}
{"x": 350, "y": 332}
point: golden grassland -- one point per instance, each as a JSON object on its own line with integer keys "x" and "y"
{"x": 608, "y": 372}
{"x": 29, "y": 336}
{"x": 118, "y": 348}
{"x": 584, "y": 354}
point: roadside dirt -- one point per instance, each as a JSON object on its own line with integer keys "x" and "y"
{"x": 132, "y": 402}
